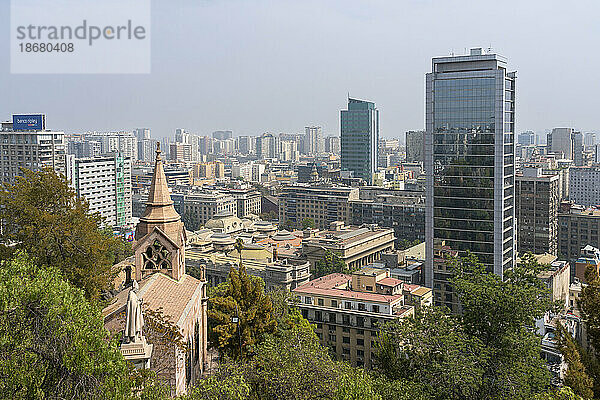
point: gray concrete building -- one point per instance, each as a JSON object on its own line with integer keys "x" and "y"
{"x": 414, "y": 146}
{"x": 537, "y": 204}
{"x": 584, "y": 185}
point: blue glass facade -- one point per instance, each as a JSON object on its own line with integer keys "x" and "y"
{"x": 360, "y": 138}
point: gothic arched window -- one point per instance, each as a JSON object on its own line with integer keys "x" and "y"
{"x": 156, "y": 256}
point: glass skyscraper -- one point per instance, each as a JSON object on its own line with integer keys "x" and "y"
{"x": 469, "y": 163}
{"x": 360, "y": 138}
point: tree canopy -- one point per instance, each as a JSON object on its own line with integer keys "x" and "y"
{"x": 329, "y": 264}
{"x": 42, "y": 215}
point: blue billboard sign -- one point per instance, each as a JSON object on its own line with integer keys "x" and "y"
{"x": 29, "y": 122}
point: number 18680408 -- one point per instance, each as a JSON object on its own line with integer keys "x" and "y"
{"x": 46, "y": 47}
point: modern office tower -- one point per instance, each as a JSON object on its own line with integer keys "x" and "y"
{"x": 222, "y": 135}
{"x": 537, "y": 201}
{"x": 267, "y": 146}
{"x": 105, "y": 183}
{"x": 312, "y": 140}
{"x": 566, "y": 142}
{"x": 246, "y": 144}
{"x": 584, "y": 185}
{"x": 414, "y": 146}
{"x": 31, "y": 148}
{"x": 141, "y": 133}
{"x": 469, "y": 164}
{"x": 526, "y": 138}
{"x": 360, "y": 138}
{"x": 332, "y": 144}
{"x": 323, "y": 205}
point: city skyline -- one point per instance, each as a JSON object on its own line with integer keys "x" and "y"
{"x": 274, "y": 49}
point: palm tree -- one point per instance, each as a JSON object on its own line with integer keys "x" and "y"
{"x": 239, "y": 246}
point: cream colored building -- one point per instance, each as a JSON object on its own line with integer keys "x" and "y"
{"x": 347, "y": 310}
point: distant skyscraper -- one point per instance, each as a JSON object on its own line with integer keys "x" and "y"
{"x": 181, "y": 136}
{"x": 526, "y": 138}
{"x": 141, "y": 133}
{"x": 568, "y": 143}
{"x": 360, "y": 138}
{"x": 332, "y": 144}
{"x": 222, "y": 135}
{"x": 414, "y": 146}
{"x": 590, "y": 139}
{"x": 469, "y": 164}
{"x": 313, "y": 140}
{"x": 267, "y": 146}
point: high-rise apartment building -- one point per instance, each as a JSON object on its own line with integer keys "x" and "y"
{"x": 584, "y": 185}
{"x": 31, "y": 148}
{"x": 313, "y": 140}
{"x": 567, "y": 143}
{"x": 141, "y": 133}
{"x": 360, "y": 138}
{"x": 267, "y": 146}
{"x": 332, "y": 144}
{"x": 537, "y": 202}
{"x": 222, "y": 135}
{"x": 246, "y": 144}
{"x": 105, "y": 183}
{"x": 414, "y": 146}
{"x": 115, "y": 142}
{"x": 469, "y": 164}
{"x": 526, "y": 138}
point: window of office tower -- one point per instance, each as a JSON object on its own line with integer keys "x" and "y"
{"x": 463, "y": 163}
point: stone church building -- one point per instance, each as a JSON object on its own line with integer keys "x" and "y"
{"x": 168, "y": 293}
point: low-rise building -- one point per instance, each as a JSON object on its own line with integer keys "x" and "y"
{"x": 589, "y": 257}
{"x": 348, "y": 310}
{"x": 356, "y": 246}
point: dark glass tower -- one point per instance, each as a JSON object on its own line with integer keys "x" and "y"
{"x": 469, "y": 162}
{"x": 360, "y": 138}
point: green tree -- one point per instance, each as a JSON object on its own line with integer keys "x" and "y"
{"x": 43, "y": 216}
{"x": 576, "y": 376}
{"x": 433, "y": 351}
{"x": 329, "y": 264}
{"x": 308, "y": 223}
{"x": 589, "y": 303}
{"x": 220, "y": 387}
{"x": 242, "y": 297}
{"x": 501, "y": 313}
{"x": 52, "y": 340}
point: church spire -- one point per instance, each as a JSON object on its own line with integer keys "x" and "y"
{"x": 159, "y": 206}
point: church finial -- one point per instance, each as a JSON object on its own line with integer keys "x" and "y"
{"x": 158, "y": 151}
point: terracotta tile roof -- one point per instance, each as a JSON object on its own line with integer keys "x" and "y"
{"x": 161, "y": 291}
{"x": 389, "y": 282}
{"x": 328, "y": 286}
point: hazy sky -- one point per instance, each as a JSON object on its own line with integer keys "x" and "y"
{"x": 257, "y": 66}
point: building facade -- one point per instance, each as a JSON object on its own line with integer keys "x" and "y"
{"x": 578, "y": 227}
{"x": 469, "y": 161}
{"x": 414, "y": 146}
{"x": 32, "y": 150}
{"x": 537, "y": 204}
{"x": 105, "y": 183}
{"x": 198, "y": 208}
{"x": 323, "y": 205}
{"x": 360, "y": 138}
{"x": 584, "y": 185}
{"x": 347, "y": 310}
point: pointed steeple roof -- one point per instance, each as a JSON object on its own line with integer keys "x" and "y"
{"x": 159, "y": 206}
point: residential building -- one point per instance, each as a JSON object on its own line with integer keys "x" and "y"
{"x": 566, "y": 143}
{"x": 537, "y": 203}
{"x": 578, "y": 227}
{"x": 347, "y": 310}
{"x": 469, "y": 161}
{"x": 146, "y": 149}
{"x": 246, "y": 144}
{"x": 182, "y": 152}
{"x": 222, "y": 135}
{"x": 30, "y": 149}
{"x": 589, "y": 257}
{"x": 526, "y": 138}
{"x": 267, "y": 146}
{"x": 332, "y": 144}
{"x": 584, "y": 185}
{"x": 356, "y": 246}
{"x": 360, "y": 138}
{"x": 313, "y": 140}
{"x": 414, "y": 146}
{"x": 141, "y": 133}
{"x": 105, "y": 183}
{"x": 115, "y": 142}
{"x": 323, "y": 205}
